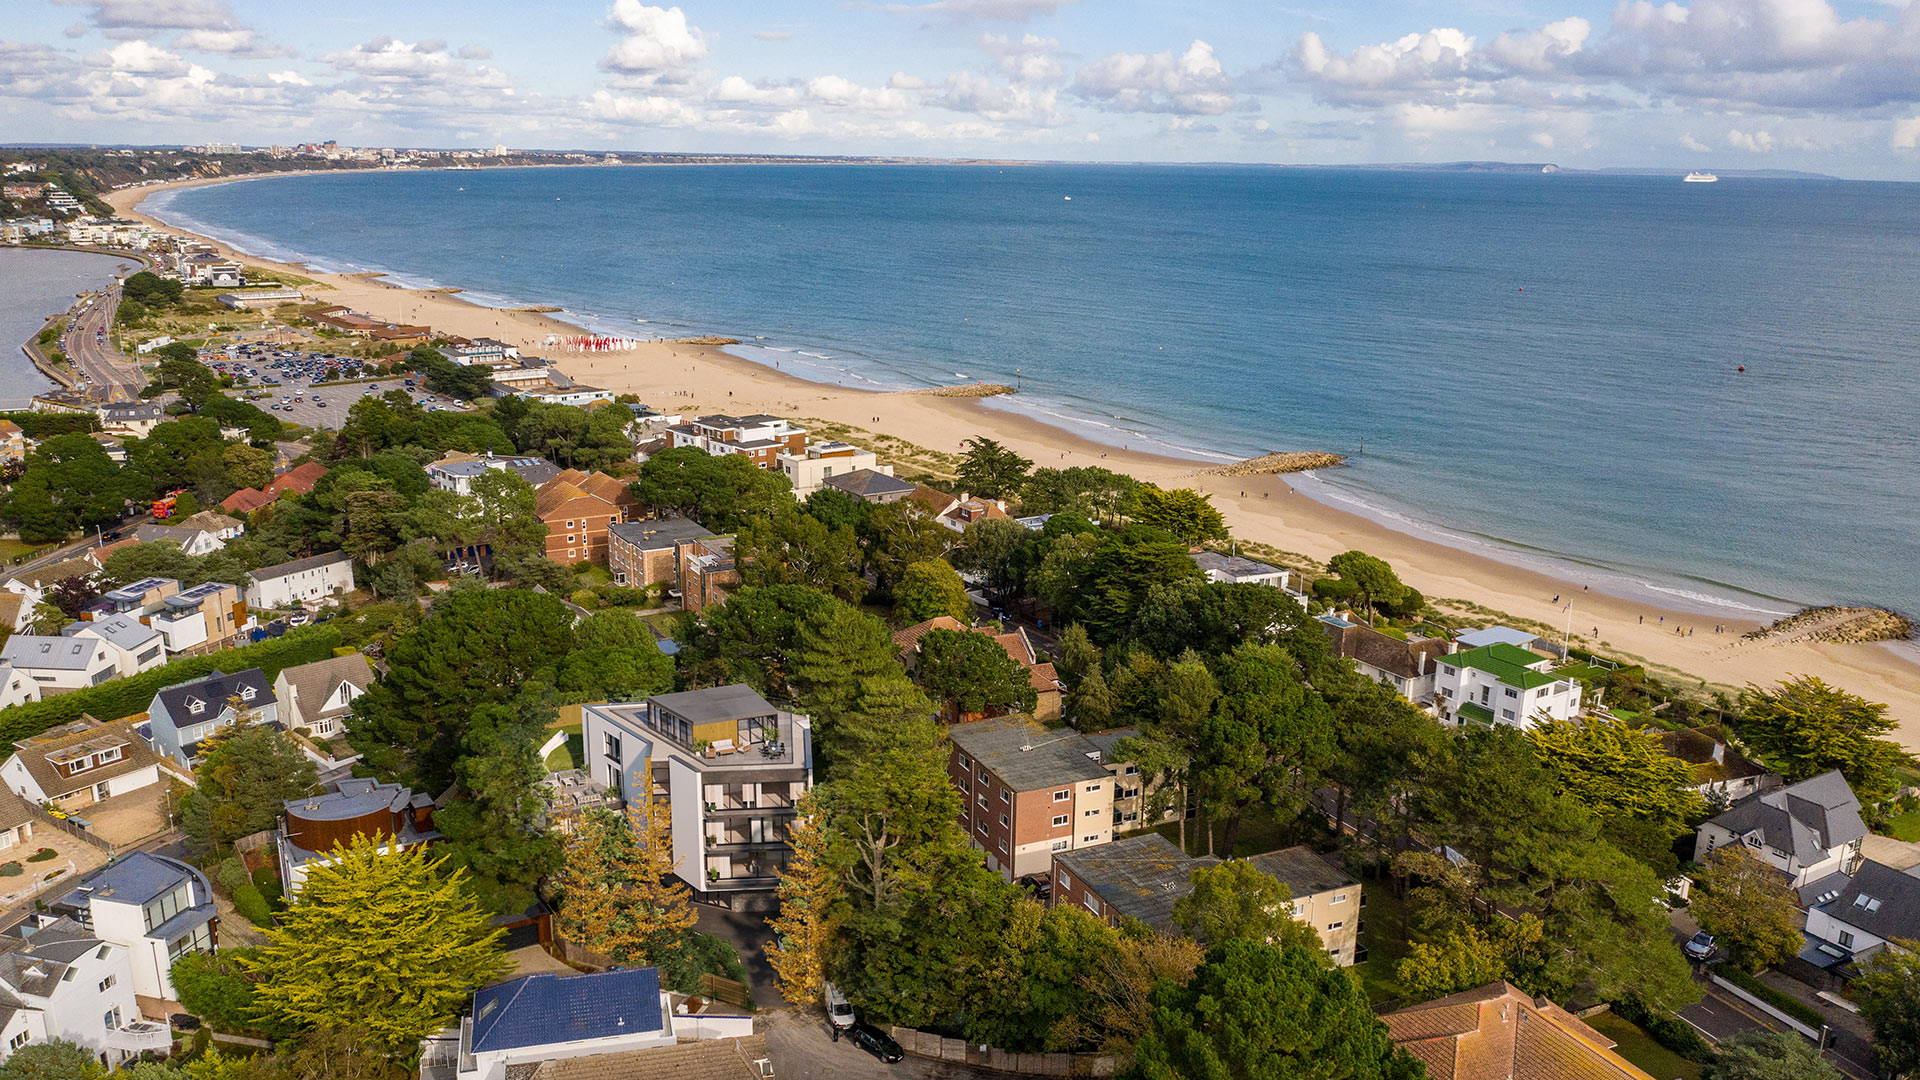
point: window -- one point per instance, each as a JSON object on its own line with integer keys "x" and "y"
{"x": 1094, "y": 839}
{"x": 1006, "y": 797}
{"x": 1338, "y": 898}
{"x": 962, "y": 762}
{"x": 1059, "y": 820}
{"x": 1066, "y": 880}
{"x": 981, "y": 799}
{"x": 1753, "y": 841}
{"x": 200, "y": 940}
{"x": 1506, "y": 714}
{"x": 1512, "y": 693}
{"x": 1093, "y": 789}
{"x": 195, "y": 708}
{"x": 982, "y": 827}
{"x": 106, "y": 984}
{"x": 1846, "y": 940}
{"x": 1093, "y": 904}
{"x": 113, "y": 1019}
{"x": 102, "y": 951}
{"x": 173, "y": 902}
{"x": 110, "y": 754}
{"x": 1060, "y": 845}
{"x": 569, "y": 523}
{"x": 1003, "y": 847}
{"x": 1131, "y": 770}
{"x": 1091, "y": 813}
{"x": 612, "y": 744}
{"x": 246, "y": 693}
{"x": 1335, "y": 925}
{"x": 18, "y": 1041}
{"x": 1003, "y": 821}
{"x": 1063, "y": 795}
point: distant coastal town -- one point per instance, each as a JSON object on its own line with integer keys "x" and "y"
{"x": 394, "y": 686}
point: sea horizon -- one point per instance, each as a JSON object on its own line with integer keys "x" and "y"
{"x": 1392, "y": 478}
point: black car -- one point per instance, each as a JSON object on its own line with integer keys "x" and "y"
{"x": 875, "y": 1042}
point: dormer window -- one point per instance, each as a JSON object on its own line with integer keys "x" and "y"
{"x": 246, "y": 693}
{"x": 195, "y": 706}
{"x": 104, "y": 756}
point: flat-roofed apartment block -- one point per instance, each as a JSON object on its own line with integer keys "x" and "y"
{"x": 1028, "y": 792}
{"x": 726, "y": 765}
{"x": 1142, "y": 877}
{"x": 759, "y": 438}
{"x": 641, "y": 553}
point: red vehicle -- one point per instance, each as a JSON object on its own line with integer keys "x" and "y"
{"x": 163, "y": 508}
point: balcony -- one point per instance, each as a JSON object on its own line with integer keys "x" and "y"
{"x": 138, "y": 1035}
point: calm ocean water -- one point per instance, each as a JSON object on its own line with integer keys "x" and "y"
{"x": 34, "y": 285}
{"x": 1546, "y": 364}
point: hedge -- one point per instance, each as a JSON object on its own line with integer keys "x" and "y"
{"x": 12, "y": 869}
{"x": 124, "y": 697}
{"x": 1786, "y": 1003}
{"x": 39, "y": 425}
{"x": 1669, "y": 1031}
{"x": 232, "y": 873}
{"x": 252, "y": 903}
{"x": 267, "y": 875}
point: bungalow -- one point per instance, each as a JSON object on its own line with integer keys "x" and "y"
{"x": 193, "y": 541}
{"x": 1226, "y": 569}
{"x": 219, "y": 525}
{"x": 303, "y": 581}
{"x": 1808, "y": 831}
{"x": 311, "y": 827}
{"x": 1504, "y": 684}
{"x": 181, "y": 717}
{"x": 58, "y": 664}
{"x": 79, "y": 764}
{"x": 519, "y": 1026}
{"x": 156, "y": 908}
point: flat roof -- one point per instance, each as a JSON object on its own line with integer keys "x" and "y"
{"x": 1026, "y": 756}
{"x": 716, "y": 704}
{"x": 1141, "y": 877}
{"x": 1302, "y": 870}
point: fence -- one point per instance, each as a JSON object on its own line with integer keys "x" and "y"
{"x": 926, "y": 1044}
{"x": 1754, "y": 1000}
{"x": 258, "y": 849}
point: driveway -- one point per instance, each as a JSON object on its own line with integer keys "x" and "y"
{"x": 801, "y": 1047}
{"x": 749, "y": 933}
{"x": 74, "y": 859}
{"x": 1721, "y": 1016}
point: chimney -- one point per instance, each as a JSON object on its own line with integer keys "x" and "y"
{"x": 1719, "y": 752}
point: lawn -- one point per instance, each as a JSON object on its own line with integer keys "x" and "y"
{"x": 11, "y": 550}
{"x": 568, "y": 756}
{"x": 1380, "y": 936}
{"x": 1905, "y": 827}
{"x": 1638, "y": 1047}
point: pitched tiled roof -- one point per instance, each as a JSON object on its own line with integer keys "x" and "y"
{"x": 556, "y": 493}
{"x": 280, "y": 570}
{"x": 869, "y": 483}
{"x": 213, "y": 691}
{"x": 1880, "y": 900}
{"x": 908, "y": 639}
{"x": 56, "y": 572}
{"x": 1499, "y": 1033}
{"x": 700, "y": 1059}
{"x": 99, "y": 556}
{"x": 34, "y": 752}
{"x": 298, "y": 480}
{"x": 245, "y": 501}
{"x": 1406, "y": 659}
{"x": 313, "y": 684}
{"x": 211, "y": 521}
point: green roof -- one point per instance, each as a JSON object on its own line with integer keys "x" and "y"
{"x": 1470, "y": 711}
{"x": 1505, "y": 662}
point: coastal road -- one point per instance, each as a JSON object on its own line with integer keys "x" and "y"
{"x": 114, "y": 374}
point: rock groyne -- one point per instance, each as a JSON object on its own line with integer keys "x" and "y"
{"x": 971, "y": 390}
{"x": 1842, "y": 625}
{"x": 1289, "y": 461}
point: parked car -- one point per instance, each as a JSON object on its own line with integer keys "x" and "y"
{"x": 839, "y": 1010}
{"x": 299, "y": 618}
{"x": 1700, "y": 946}
{"x": 876, "y": 1042}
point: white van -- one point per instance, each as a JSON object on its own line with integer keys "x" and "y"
{"x": 839, "y": 1009}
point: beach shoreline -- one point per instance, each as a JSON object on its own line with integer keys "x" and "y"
{"x": 1670, "y": 635}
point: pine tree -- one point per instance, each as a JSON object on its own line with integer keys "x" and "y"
{"x": 385, "y": 941}
{"x": 806, "y": 927}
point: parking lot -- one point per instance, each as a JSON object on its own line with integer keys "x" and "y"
{"x": 281, "y": 381}
{"x": 304, "y": 405}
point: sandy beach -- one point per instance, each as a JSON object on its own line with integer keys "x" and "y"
{"x": 683, "y": 377}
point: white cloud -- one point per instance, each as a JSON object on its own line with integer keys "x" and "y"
{"x": 385, "y": 60}
{"x": 1006, "y": 10}
{"x": 1415, "y": 66}
{"x": 77, "y": 30}
{"x": 157, "y": 14}
{"x": 141, "y": 58}
{"x": 900, "y": 80}
{"x": 772, "y": 35}
{"x": 475, "y": 52}
{"x": 1758, "y": 142}
{"x": 1906, "y": 133}
{"x": 241, "y": 42}
{"x": 1031, "y": 59}
{"x": 1542, "y": 139}
{"x": 1193, "y": 82}
{"x": 832, "y": 90}
{"x": 1687, "y": 140}
{"x": 660, "y": 43}
{"x": 1542, "y": 49}
{"x": 1000, "y": 103}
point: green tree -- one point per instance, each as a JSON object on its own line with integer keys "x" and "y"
{"x": 806, "y": 930}
{"x": 56, "y": 1059}
{"x": 384, "y": 941}
{"x": 973, "y": 674}
{"x": 1235, "y": 899}
{"x": 243, "y": 785}
{"x": 215, "y": 987}
{"x": 1086, "y": 489}
{"x": 491, "y": 829}
{"x": 749, "y": 639}
{"x": 618, "y": 891}
{"x": 1118, "y": 577}
{"x": 836, "y": 508}
{"x": 479, "y": 645}
{"x": 69, "y": 485}
{"x": 614, "y": 658}
{"x": 1642, "y": 795}
{"x": 1803, "y": 727}
{"x": 151, "y": 289}
{"x": 1769, "y": 1055}
{"x": 990, "y": 470}
{"x": 1377, "y": 582}
{"x": 1269, "y": 740}
{"x": 443, "y": 376}
{"x": 1464, "y": 959}
{"x": 898, "y": 535}
{"x": 1889, "y": 995}
{"x": 1748, "y": 908}
{"x": 929, "y": 589}
{"x": 1183, "y": 512}
{"x": 992, "y": 548}
{"x": 1091, "y": 705}
{"x": 247, "y": 466}
{"x": 1264, "y": 1012}
{"x": 721, "y": 493}
{"x": 792, "y": 548}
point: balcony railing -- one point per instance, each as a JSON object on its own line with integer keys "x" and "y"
{"x": 140, "y": 1035}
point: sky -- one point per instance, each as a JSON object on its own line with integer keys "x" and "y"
{"x": 1820, "y": 85}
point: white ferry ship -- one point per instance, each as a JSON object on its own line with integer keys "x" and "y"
{"x": 1702, "y": 178}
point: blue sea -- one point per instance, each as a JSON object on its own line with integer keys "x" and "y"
{"x": 35, "y": 285}
{"x": 1546, "y": 366}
